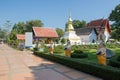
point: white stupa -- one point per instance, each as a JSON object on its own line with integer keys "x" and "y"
{"x": 70, "y": 33}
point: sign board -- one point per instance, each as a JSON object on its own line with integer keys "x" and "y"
{"x": 28, "y": 39}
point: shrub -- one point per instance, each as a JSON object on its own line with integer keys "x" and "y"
{"x": 114, "y": 62}
{"x": 46, "y": 49}
{"x": 63, "y": 41}
{"x": 75, "y": 47}
{"x": 79, "y": 54}
{"x": 59, "y": 49}
{"x": 118, "y": 58}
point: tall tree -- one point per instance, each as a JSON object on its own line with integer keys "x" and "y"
{"x": 17, "y": 29}
{"x": 5, "y": 30}
{"x": 7, "y": 26}
{"x": 115, "y": 17}
{"x": 60, "y": 32}
{"x": 21, "y": 27}
{"x": 78, "y": 23}
{"x": 32, "y": 23}
{"x": 2, "y": 34}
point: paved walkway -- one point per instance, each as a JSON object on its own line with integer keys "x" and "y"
{"x": 22, "y": 65}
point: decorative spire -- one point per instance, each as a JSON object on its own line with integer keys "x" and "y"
{"x": 70, "y": 26}
{"x": 70, "y": 19}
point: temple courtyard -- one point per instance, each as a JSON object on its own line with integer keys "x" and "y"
{"x": 23, "y": 65}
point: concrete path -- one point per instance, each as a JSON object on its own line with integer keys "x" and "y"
{"x": 22, "y": 65}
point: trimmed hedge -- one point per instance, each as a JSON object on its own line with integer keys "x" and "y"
{"x": 114, "y": 62}
{"x": 118, "y": 58}
{"x": 79, "y": 54}
{"x": 105, "y": 72}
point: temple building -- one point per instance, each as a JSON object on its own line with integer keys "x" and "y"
{"x": 87, "y": 35}
{"x": 70, "y": 33}
{"x": 102, "y": 27}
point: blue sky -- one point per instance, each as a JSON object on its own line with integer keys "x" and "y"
{"x": 54, "y": 13}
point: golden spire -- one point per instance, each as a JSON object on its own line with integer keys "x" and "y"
{"x": 70, "y": 26}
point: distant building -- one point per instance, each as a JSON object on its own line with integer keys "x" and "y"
{"x": 102, "y": 27}
{"x": 87, "y": 35}
{"x": 21, "y": 41}
{"x": 21, "y": 37}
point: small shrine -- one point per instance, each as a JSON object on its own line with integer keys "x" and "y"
{"x": 70, "y": 33}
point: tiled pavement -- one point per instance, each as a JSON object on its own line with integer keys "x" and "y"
{"x": 22, "y": 65}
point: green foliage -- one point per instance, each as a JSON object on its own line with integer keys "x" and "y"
{"x": 5, "y": 30}
{"x": 36, "y": 48}
{"x": 33, "y": 23}
{"x": 46, "y": 49}
{"x": 115, "y": 62}
{"x": 81, "y": 47}
{"x": 75, "y": 47}
{"x": 13, "y": 43}
{"x": 105, "y": 72}
{"x": 78, "y": 51}
{"x": 79, "y": 54}
{"x": 118, "y": 58}
{"x": 116, "y": 33}
{"x": 113, "y": 45}
{"x": 2, "y": 34}
{"x": 59, "y": 49}
{"x": 21, "y": 28}
{"x": 63, "y": 41}
{"x": 115, "y": 16}
{"x": 57, "y": 40}
{"x": 60, "y": 32}
{"x": 17, "y": 29}
{"x": 77, "y": 24}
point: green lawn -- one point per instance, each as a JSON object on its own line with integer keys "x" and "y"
{"x": 92, "y": 55}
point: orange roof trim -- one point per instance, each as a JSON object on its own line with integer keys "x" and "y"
{"x": 45, "y": 32}
{"x": 20, "y": 36}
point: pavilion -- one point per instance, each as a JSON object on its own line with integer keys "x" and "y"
{"x": 48, "y": 34}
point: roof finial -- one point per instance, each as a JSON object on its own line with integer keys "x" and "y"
{"x": 69, "y": 12}
{"x": 70, "y": 15}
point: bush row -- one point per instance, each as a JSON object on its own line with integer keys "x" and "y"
{"x": 105, "y": 72}
{"x": 115, "y": 62}
{"x": 79, "y": 54}
{"x": 94, "y": 46}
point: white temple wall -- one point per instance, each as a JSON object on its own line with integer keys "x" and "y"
{"x": 92, "y": 36}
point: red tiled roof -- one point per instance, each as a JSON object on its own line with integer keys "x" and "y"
{"x": 96, "y": 23}
{"x": 45, "y": 32}
{"x": 100, "y": 23}
{"x": 20, "y": 36}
